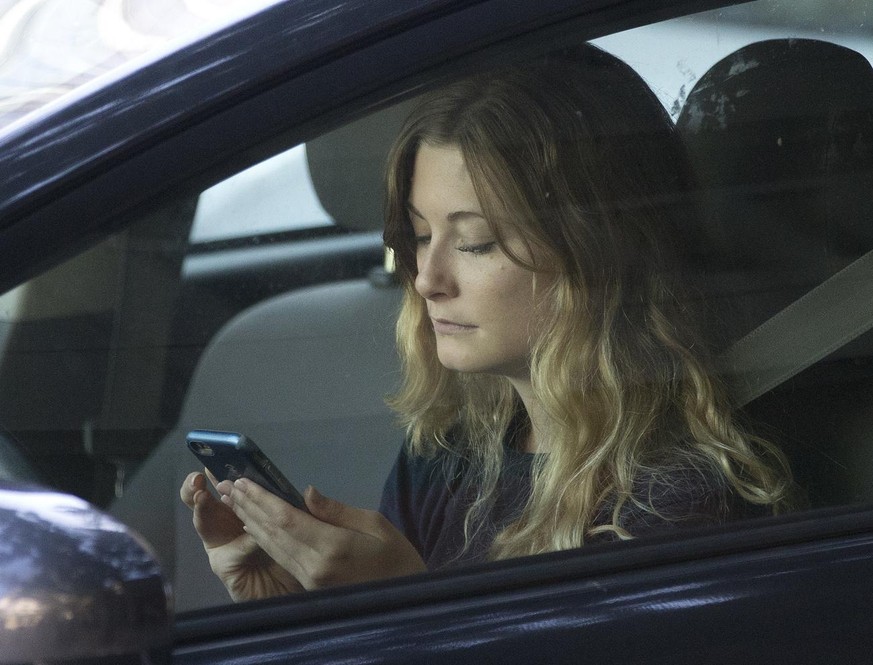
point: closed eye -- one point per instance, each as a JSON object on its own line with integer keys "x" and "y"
{"x": 481, "y": 248}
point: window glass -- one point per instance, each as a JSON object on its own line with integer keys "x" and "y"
{"x": 671, "y": 56}
{"x": 275, "y": 195}
{"x": 111, "y": 358}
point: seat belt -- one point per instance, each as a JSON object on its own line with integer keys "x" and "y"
{"x": 821, "y": 321}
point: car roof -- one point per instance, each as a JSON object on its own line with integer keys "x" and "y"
{"x": 51, "y": 47}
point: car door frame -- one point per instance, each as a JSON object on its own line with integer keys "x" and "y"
{"x": 775, "y": 590}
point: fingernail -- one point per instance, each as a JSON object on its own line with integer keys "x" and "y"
{"x": 240, "y": 485}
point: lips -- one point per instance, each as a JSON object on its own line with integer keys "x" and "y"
{"x": 446, "y": 327}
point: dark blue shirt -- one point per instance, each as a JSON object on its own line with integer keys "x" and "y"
{"x": 427, "y": 500}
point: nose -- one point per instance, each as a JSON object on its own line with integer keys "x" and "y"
{"x": 435, "y": 279}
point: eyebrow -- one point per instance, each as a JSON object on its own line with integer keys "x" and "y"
{"x": 452, "y": 216}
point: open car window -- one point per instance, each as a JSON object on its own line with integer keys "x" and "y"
{"x": 262, "y": 303}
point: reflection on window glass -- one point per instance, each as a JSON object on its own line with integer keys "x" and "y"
{"x": 51, "y": 47}
{"x": 671, "y": 56}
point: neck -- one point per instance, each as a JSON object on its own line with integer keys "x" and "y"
{"x": 537, "y": 438}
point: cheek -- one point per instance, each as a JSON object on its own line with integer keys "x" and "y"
{"x": 528, "y": 308}
{"x": 512, "y": 298}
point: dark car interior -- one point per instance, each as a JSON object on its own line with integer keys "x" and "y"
{"x": 786, "y": 163}
{"x": 289, "y": 337}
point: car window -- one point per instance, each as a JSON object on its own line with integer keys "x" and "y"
{"x": 262, "y": 304}
{"x": 672, "y": 55}
{"x": 273, "y": 196}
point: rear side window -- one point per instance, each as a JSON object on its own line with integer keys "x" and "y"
{"x": 272, "y": 197}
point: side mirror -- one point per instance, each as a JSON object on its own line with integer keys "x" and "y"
{"x": 75, "y": 584}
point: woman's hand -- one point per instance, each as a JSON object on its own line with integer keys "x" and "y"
{"x": 335, "y": 544}
{"x": 244, "y": 568}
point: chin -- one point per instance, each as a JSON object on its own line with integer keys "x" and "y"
{"x": 471, "y": 362}
{"x": 476, "y": 366}
{"x": 468, "y": 365}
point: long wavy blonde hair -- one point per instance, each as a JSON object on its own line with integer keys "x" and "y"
{"x": 577, "y": 156}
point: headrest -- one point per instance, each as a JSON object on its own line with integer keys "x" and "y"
{"x": 347, "y": 167}
{"x": 780, "y": 134}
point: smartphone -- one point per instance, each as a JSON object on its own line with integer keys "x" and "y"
{"x": 230, "y": 456}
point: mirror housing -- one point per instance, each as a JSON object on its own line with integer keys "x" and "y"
{"x": 76, "y": 584}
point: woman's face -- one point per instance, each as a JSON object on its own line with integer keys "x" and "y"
{"x": 481, "y": 304}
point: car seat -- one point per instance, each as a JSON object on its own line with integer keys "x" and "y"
{"x": 304, "y": 374}
{"x": 781, "y": 136}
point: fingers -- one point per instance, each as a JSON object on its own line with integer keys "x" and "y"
{"x": 193, "y": 483}
{"x": 328, "y": 510}
{"x": 287, "y": 534}
{"x": 214, "y": 522}
{"x": 340, "y": 514}
{"x": 333, "y": 545}
{"x": 249, "y": 497}
{"x": 256, "y": 506}
{"x": 235, "y": 556}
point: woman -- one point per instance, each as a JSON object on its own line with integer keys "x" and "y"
{"x": 554, "y": 394}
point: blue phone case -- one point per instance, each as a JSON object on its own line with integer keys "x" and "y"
{"x": 229, "y": 456}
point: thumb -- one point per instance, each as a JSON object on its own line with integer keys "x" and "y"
{"x": 330, "y": 510}
{"x": 214, "y": 522}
